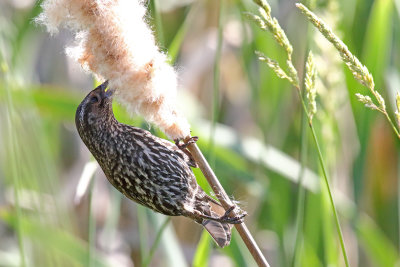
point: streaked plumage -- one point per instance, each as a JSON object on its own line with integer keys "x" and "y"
{"x": 149, "y": 170}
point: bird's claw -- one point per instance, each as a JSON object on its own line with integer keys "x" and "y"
{"x": 184, "y": 146}
{"x": 233, "y": 220}
{"x": 186, "y": 143}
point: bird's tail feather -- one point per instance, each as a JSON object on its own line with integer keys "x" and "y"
{"x": 220, "y": 232}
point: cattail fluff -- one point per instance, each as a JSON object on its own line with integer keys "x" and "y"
{"x": 115, "y": 43}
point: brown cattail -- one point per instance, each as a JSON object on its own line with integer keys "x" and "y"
{"x": 115, "y": 43}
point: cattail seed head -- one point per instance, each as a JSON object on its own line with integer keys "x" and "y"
{"x": 115, "y": 43}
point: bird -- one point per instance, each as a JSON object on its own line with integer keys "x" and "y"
{"x": 149, "y": 170}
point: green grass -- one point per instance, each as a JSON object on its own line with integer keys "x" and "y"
{"x": 249, "y": 122}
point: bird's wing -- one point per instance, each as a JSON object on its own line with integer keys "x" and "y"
{"x": 171, "y": 146}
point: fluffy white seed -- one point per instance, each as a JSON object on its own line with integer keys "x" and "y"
{"x": 115, "y": 43}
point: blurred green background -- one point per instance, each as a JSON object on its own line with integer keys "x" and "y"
{"x": 57, "y": 209}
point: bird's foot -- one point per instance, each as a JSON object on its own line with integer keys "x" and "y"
{"x": 186, "y": 143}
{"x": 184, "y": 146}
{"x": 233, "y": 220}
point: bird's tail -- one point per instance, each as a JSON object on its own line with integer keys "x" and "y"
{"x": 220, "y": 232}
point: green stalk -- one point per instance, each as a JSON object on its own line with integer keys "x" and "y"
{"x": 301, "y": 189}
{"x": 216, "y": 82}
{"x": 14, "y": 169}
{"x": 143, "y": 233}
{"x": 176, "y": 43}
{"x": 301, "y": 192}
{"x": 92, "y": 227}
{"x": 398, "y": 199}
{"x": 16, "y": 187}
{"x": 111, "y": 223}
{"x": 158, "y": 22}
{"x": 153, "y": 248}
{"x": 391, "y": 123}
{"x": 324, "y": 172}
{"x": 338, "y": 228}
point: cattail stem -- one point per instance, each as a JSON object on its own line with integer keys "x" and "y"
{"x": 227, "y": 203}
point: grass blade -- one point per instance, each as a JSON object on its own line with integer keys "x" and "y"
{"x": 156, "y": 242}
{"x": 202, "y": 255}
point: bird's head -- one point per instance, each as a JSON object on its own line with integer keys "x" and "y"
{"x": 95, "y": 109}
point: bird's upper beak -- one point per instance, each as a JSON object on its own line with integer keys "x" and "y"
{"x": 109, "y": 93}
{"x": 105, "y": 93}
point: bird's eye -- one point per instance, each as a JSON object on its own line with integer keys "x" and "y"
{"x": 95, "y": 99}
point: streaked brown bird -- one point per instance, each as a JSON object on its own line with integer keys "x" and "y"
{"x": 148, "y": 170}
